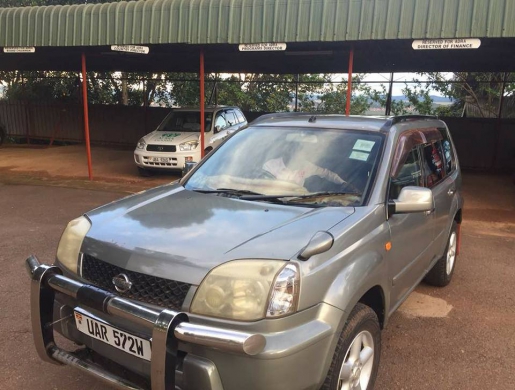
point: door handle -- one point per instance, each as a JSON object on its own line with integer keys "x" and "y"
{"x": 451, "y": 191}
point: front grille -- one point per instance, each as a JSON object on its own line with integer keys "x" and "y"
{"x": 145, "y": 288}
{"x": 161, "y": 148}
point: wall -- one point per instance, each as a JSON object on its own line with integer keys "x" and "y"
{"x": 481, "y": 143}
{"x": 123, "y": 125}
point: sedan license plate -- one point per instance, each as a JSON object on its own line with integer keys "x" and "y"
{"x": 160, "y": 159}
{"x": 119, "y": 339}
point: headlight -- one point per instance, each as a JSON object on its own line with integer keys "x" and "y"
{"x": 71, "y": 241}
{"x": 248, "y": 290}
{"x": 141, "y": 144}
{"x": 190, "y": 145}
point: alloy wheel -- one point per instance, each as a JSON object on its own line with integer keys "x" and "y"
{"x": 451, "y": 253}
{"x": 356, "y": 370}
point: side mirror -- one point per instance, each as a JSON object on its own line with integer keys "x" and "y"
{"x": 412, "y": 200}
{"x": 188, "y": 167}
{"x": 217, "y": 129}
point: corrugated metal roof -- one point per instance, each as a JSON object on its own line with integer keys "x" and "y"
{"x": 253, "y": 21}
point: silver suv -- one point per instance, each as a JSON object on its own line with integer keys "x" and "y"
{"x": 273, "y": 264}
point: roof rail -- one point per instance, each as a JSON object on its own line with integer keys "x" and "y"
{"x": 403, "y": 118}
{"x": 265, "y": 117}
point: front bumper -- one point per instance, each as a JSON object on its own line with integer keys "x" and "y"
{"x": 167, "y": 327}
{"x": 171, "y": 160}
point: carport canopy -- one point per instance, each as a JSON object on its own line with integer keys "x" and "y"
{"x": 318, "y": 34}
{"x": 304, "y": 36}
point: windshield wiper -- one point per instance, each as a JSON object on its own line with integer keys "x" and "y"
{"x": 231, "y": 191}
{"x": 295, "y": 197}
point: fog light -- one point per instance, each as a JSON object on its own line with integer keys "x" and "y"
{"x": 189, "y": 159}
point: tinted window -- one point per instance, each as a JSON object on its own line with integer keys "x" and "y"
{"x": 410, "y": 174}
{"x": 434, "y": 169}
{"x": 448, "y": 152}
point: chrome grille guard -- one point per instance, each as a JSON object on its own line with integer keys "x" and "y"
{"x": 167, "y": 327}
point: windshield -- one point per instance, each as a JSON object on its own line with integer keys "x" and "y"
{"x": 318, "y": 166}
{"x": 185, "y": 121}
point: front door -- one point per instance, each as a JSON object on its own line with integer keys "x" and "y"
{"x": 411, "y": 234}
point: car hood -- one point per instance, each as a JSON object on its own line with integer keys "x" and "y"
{"x": 181, "y": 235}
{"x": 170, "y": 137}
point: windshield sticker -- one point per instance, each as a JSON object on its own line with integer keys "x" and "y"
{"x": 363, "y": 145}
{"x": 361, "y": 156}
{"x": 168, "y": 136}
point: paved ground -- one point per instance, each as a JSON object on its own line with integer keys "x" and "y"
{"x": 460, "y": 337}
{"x": 113, "y": 169}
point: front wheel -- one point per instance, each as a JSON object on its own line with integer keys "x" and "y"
{"x": 441, "y": 273}
{"x": 356, "y": 358}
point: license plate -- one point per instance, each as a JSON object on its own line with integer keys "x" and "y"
{"x": 117, "y": 338}
{"x": 160, "y": 159}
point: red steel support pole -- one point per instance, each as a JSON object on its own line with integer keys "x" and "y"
{"x": 202, "y": 121}
{"x": 86, "y": 115}
{"x": 349, "y": 82}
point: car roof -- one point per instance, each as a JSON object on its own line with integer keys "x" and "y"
{"x": 206, "y": 109}
{"x": 335, "y": 121}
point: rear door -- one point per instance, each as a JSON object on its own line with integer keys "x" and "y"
{"x": 231, "y": 125}
{"x": 232, "y": 121}
{"x": 440, "y": 175}
{"x": 411, "y": 234}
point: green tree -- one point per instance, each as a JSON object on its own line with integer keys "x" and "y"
{"x": 479, "y": 90}
{"x": 334, "y": 98}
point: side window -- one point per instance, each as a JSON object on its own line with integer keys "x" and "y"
{"x": 448, "y": 152}
{"x": 220, "y": 121}
{"x": 434, "y": 169}
{"x": 240, "y": 116}
{"x": 410, "y": 174}
{"x": 231, "y": 118}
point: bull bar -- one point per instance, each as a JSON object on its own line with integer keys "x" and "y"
{"x": 167, "y": 327}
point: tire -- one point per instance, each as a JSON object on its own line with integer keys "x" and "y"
{"x": 362, "y": 328}
{"x": 143, "y": 172}
{"x": 2, "y": 135}
{"x": 441, "y": 273}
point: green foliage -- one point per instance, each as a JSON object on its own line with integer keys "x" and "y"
{"x": 41, "y": 86}
{"x": 334, "y": 98}
{"x": 479, "y": 90}
{"x": 252, "y": 92}
{"x": 261, "y": 92}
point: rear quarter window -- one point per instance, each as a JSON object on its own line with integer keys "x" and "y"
{"x": 447, "y": 151}
{"x": 240, "y": 116}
